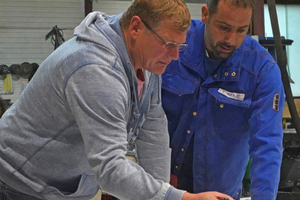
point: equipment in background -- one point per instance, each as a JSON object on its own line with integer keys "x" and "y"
{"x": 17, "y": 71}
{"x": 291, "y": 142}
{"x": 26, "y": 70}
{"x": 35, "y": 66}
{"x": 3, "y": 71}
{"x": 4, "y": 105}
{"x": 56, "y": 35}
{"x": 289, "y": 185}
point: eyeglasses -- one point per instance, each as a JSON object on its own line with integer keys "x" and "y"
{"x": 167, "y": 45}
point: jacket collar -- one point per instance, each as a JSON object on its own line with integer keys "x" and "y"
{"x": 193, "y": 56}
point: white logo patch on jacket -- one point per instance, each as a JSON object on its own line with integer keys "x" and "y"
{"x": 276, "y": 102}
{"x": 232, "y": 95}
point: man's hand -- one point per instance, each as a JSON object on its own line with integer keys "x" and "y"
{"x": 206, "y": 196}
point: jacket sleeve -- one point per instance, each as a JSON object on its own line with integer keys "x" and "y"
{"x": 266, "y": 133}
{"x": 99, "y": 100}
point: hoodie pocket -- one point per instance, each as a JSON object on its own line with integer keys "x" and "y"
{"x": 86, "y": 189}
{"x": 229, "y": 113}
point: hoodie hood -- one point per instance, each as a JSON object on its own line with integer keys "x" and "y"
{"x": 90, "y": 28}
{"x": 103, "y": 29}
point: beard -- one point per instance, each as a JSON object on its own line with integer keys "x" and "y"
{"x": 220, "y": 54}
{"x": 215, "y": 50}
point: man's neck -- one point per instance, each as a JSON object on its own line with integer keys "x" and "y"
{"x": 129, "y": 49}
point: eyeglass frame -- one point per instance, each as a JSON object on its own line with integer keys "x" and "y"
{"x": 173, "y": 44}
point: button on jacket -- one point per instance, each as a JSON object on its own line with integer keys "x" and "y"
{"x": 234, "y": 113}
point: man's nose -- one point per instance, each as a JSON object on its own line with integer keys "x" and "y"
{"x": 231, "y": 37}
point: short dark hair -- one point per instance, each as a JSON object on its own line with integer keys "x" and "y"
{"x": 213, "y": 4}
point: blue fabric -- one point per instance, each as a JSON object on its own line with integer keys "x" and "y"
{"x": 226, "y": 131}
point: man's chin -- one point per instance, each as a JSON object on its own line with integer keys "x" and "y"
{"x": 224, "y": 55}
{"x": 159, "y": 70}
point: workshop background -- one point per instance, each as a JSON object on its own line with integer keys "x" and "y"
{"x": 25, "y": 23}
{"x": 30, "y": 30}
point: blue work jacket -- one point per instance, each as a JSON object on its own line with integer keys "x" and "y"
{"x": 234, "y": 113}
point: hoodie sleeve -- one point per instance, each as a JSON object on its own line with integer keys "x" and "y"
{"x": 154, "y": 153}
{"x": 98, "y": 98}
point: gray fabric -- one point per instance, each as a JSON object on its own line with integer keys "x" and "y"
{"x": 8, "y": 193}
{"x": 67, "y": 133}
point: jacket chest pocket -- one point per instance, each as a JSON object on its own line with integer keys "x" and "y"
{"x": 229, "y": 111}
{"x": 177, "y": 94}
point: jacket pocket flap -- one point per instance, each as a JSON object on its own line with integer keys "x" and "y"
{"x": 177, "y": 84}
{"x": 244, "y": 101}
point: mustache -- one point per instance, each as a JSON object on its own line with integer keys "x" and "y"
{"x": 226, "y": 45}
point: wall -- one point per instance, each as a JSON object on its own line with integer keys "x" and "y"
{"x": 25, "y": 23}
{"x": 23, "y": 27}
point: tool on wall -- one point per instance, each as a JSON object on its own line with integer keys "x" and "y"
{"x": 3, "y": 71}
{"x": 56, "y": 35}
{"x": 24, "y": 70}
{"x": 15, "y": 71}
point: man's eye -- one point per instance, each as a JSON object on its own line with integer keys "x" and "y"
{"x": 170, "y": 46}
{"x": 241, "y": 30}
{"x": 224, "y": 28}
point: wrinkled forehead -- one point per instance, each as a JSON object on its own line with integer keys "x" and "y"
{"x": 233, "y": 15}
{"x": 239, "y": 3}
{"x": 169, "y": 32}
{"x": 173, "y": 24}
{"x": 235, "y": 4}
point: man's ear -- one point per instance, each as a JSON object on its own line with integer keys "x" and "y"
{"x": 135, "y": 26}
{"x": 205, "y": 14}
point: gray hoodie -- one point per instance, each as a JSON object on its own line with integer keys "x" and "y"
{"x": 67, "y": 134}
